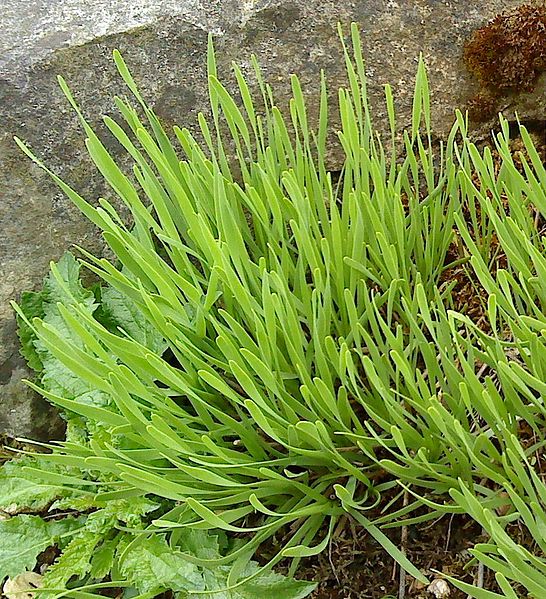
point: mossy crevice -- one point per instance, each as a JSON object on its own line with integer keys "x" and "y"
{"x": 507, "y": 55}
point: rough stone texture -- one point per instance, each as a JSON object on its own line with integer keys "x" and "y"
{"x": 164, "y": 43}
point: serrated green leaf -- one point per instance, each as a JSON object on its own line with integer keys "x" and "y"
{"x": 200, "y": 543}
{"x": 128, "y": 511}
{"x": 23, "y": 538}
{"x": 150, "y": 564}
{"x": 31, "y": 304}
{"x": 103, "y": 559}
{"x": 75, "y": 560}
{"x": 117, "y": 311}
{"x": 20, "y": 491}
{"x": 64, "y": 284}
{"x": 266, "y": 585}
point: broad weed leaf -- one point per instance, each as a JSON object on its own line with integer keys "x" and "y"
{"x": 24, "y": 537}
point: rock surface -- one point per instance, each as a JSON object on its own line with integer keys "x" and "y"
{"x": 164, "y": 44}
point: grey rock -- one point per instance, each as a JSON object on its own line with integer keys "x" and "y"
{"x": 24, "y": 413}
{"x": 164, "y": 44}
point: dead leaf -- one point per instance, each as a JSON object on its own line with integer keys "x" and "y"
{"x": 439, "y": 588}
{"x": 22, "y": 586}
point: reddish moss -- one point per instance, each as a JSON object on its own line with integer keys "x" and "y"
{"x": 482, "y": 106}
{"x": 509, "y": 52}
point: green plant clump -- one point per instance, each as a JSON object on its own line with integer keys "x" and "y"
{"x": 269, "y": 344}
{"x": 103, "y": 541}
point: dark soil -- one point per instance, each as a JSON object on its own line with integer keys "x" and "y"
{"x": 356, "y": 567}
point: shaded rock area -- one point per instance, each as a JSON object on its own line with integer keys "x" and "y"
{"x": 164, "y": 44}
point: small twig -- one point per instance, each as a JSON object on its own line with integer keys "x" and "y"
{"x": 341, "y": 525}
{"x": 482, "y": 370}
{"x": 403, "y": 543}
{"x": 481, "y": 575}
{"x": 448, "y": 536}
{"x": 480, "y": 578}
{"x": 331, "y": 561}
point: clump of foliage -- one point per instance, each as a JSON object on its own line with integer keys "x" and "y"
{"x": 298, "y": 339}
{"x": 103, "y": 541}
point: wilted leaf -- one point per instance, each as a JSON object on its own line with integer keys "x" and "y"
{"x": 22, "y": 586}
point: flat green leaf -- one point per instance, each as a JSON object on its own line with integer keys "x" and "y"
{"x": 266, "y": 585}
{"x": 103, "y": 558}
{"x": 20, "y": 491}
{"x": 75, "y": 560}
{"x": 32, "y": 306}
{"x": 117, "y": 311}
{"x": 150, "y": 564}
{"x": 23, "y": 538}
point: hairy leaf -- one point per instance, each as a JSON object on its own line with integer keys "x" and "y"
{"x": 23, "y": 538}
{"x": 75, "y": 560}
{"x": 118, "y": 313}
{"x": 266, "y": 585}
{"x": 150, "y": 564}
{"x": 20, "y": 491}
